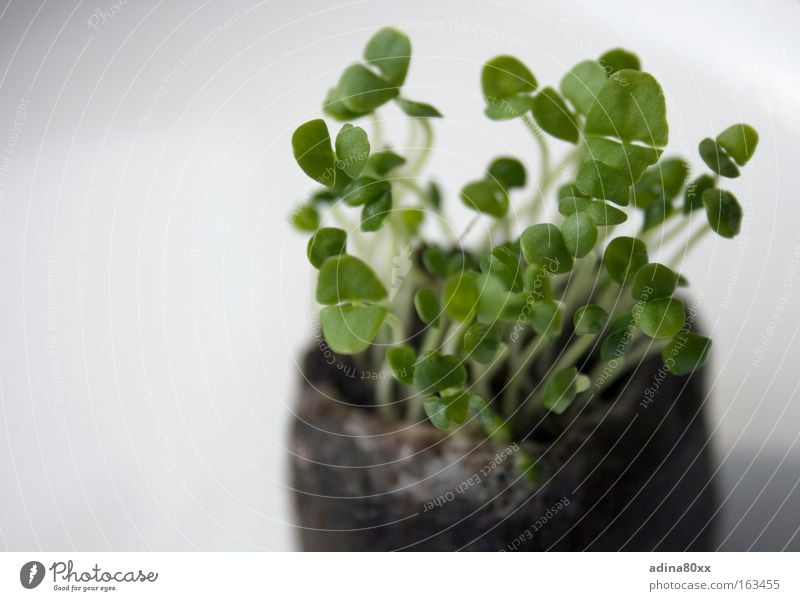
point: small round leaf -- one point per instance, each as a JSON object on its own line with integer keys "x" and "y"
{"x": 544, "y": 245}
{"x": 352, "y": 150}
{"x": 435, "y": 372}
{"x": 553, "y": 116}
{"x": 347, "y": 278}
{"x": 305, "y": 218}
{"x": 653, "y": 281}
{"x": 326, "y": 242}
{"x": 505, "y": 76}
{"x": 545, "y": 318}
{"x": 417, "y": 109}
{"x": 401, "y": 359}
{"x": 485, "y": 197}
{"x": 686, "y": 353}
{"x": 375, "y": 212}
{"x": 427, "y": 306}
{"x": 723, "y": 211}
{"x": 389, "y": 50}
{"x": 311, "y": 145}
{"x": 561, "y": 390}
{"x": 661, "y": 318}
{"x": 580, "y": 234}
{"x": 582, "y": 84}
{"x": 717, "y": 159}
{"x": 362, "y": 91}
{"x": 739, "y": 141}
{"x": 507, "y": 172}
{"x": 617, "y": 59}
{"x": 623, "y": 257}
{"x": 461, "y": 295}
{"x": 350, "y": 329}
{"x": 630, "y": 106}
{"x": 481, "y": 341}
{"x": 589, "y": 319}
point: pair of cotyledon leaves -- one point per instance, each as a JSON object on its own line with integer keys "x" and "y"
{"x": 364, "y": 87}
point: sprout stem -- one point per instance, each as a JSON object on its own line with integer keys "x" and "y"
{"x": 682, "y": 251}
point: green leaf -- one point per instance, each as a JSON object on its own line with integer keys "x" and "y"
{"x": 495, "y": 303}
{"x": 657, "y": 213}
{"x": 427, "y": 306}
{"x": 568, "y": 190}
{"x": 457, "y": 407}
{"x": 435, "y": 372}
{"x": 723, "y": 211}
{"x": 560, "y": 390}
{"x": 461, "y": 294}
{"x": 417, "y": 109}
{"x": 553, "y": 115}
{"x": 629, "y": 160}
{"x": 569, "y": 205}
{"x": 505, "y": 76}
{"x": 435, "y": 261}
{"x": 503, "y": 109}
{"x": 580, "y": 234}
{"x": 365, "y": 189}
{"x": 739, "y": 141}
{"x": 630, "y": 106}
{"x": 485, "y": 197}
{"x": 616, "y": 344}
{"x": 436, "y": 410}
{"x": 481, "y": 341}
{"x": 653, "y": 281}
{"x": 661, "y": 182}
{"x": 401, "y": 359}
{"x": 693, "y": 197}
{"x": 601, "y": 212}
{"x": 544, "y": 245}
{"x": 389, "y": 50}
{"x": 505, "y": 265}
{"x": 546, "y": 318}
{"x": 334, "y": 106}
{"x": 685, "y": 353}
{"x": 326, "y": 242}
{"x": 717, "y": 159}
{"x": 601, "y": 181}
{"x": 375, "y": 212}
{"x": 589, "y": 319}
{"x": 347, "y": 278}
{"x": 352, "y": 150}
{"x": 350, "y": 329}
{"x": 536, "y": 281}
{"x": 618, "y": 59}
{"x": 381, "y": 163}
{"x": 449, "y": 410}
{"x": 582, "y": 84}
{"x": 623, "y": 257}
{"x": 460, "y": 260}
{"x": 362, "y": 91}
{"x": 411, "y": 219}
{"x": 324, "y": 195}
{"x": 507, "y": 172}
{"x": 434, "y": 196}
{"x": 661, "y": 318}
{"x": 494, "y": 425}
{"x": 604, "y": 214}
{"x": 305, "y": 218}
{"x": 311, "y": 145}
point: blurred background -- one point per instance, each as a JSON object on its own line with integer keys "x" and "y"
{"x": 155, "y": 302}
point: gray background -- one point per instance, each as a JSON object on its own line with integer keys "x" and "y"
{"x": 154, "y": 301}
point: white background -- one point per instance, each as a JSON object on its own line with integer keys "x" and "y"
{"x": 154, "y": 301}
